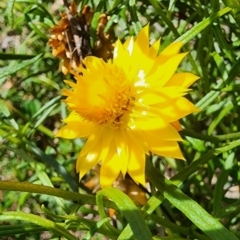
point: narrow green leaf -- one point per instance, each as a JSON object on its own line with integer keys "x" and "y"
{"x": 11, "y": 56}
{"x": 100, "y": 7}
{"x": 221, "y": 66}
{"x": 193, "y": 211}
{"x": 14, "y": 123}
{"x": 232, "y": 3}
{"x": 235, "y": 5}
{"x": 228, "y": 147}
{"x": 47, "y": 159}
{"x": 45, "y": 107}
{"x": 93, "y": 28}
{"x": 232, "y": 209}
{"x": 147, "y": 210}
{"x": 209, "y": 98}
{"x": 136, "y": 27}
{"x": 132, "y": 3}
{"x": 115, "y": 4}
{"x": 68, "y": 195}
{"x": 9, "y": 11}
{"x": 194, "y": 166}
{"x": 94, "y": 229}
{"x": 110, "y": 23}
{"x": 221, "y": 181}
{"x": 224, "y": 45}
{"x": 13, "y": 230}
{"x": 45, "y": 180}
{"x": 44, "y": 115}
{"x": 36, "y": 28}
{"x": 234, "y": 72}
{"x": 35, "y": 188}
{"x": 4, "y": 109}
{"x": 40, "y": 221}
{"x": 189, "y": 35}
{"x": 220, "y": 116}
{"x": 41, "y": 6}
{"x": 133, "y": 13}
{"x": 162, "y": 14}
{"x": 43, "y": 112}
{"x": 128, "y": 209}
{"x": 5, "y": 71}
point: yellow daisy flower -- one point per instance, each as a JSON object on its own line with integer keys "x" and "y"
{"x": 128, "y": 107}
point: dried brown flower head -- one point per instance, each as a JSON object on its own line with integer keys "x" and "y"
{"x": 70, "y": 39}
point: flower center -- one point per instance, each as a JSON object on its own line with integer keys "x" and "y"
{"x": 105, "y": 94}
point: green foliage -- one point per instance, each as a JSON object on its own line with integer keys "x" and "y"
{"x": 39, "y": 189}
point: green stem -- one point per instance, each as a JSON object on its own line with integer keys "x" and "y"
{"x": 78, "y": 224}
{"x": 216, "y": 138}
{"x": 193, "y": 167}
{"x": 232, "y": 209}
{"x": 45, "y": 131}
{"x": 34, "y": 188}
{"x": 196, "y": 135}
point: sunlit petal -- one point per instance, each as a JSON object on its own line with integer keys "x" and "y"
{"x": 136, "y": 166}
{"x": 182, "y": 79}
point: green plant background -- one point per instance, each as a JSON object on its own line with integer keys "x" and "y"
{"x": 40, "y": 195}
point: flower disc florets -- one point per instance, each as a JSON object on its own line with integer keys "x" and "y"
{"x": 105, "y": 91}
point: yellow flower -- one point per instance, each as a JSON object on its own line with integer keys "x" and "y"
{"x": 128, "y": 107}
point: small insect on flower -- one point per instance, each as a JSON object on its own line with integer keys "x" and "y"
{"x": 128, "y": 107}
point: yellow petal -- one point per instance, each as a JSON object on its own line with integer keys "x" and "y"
{"x": 161, "y": 74}
{"x": 86, "y": 162}
{"x": 110, "y": 170}
{"x": 171, "y": 66}
{"x": 150, "y": 58}
{"x": 127, "y": 43}
{"x": 139, "y": 48}
{"x": 93, "y": 141}
{"x": 182, "y": 79}
{"x": 66, "y": 92}
{"x": 164, "y": 148}
{"x": 169, "y": 52}
{"x": 177, "y": 125}
{"x": 73, "y": 117}
{"x": 119, "y": 53}
{"x": 72, "y": 131}
{"x": 105, "y": 143}
{"x": 141, "y": 55}
{"x": 75, "y": 128}
{"x": 153, "y": 51}
{"x": 136, "y": 135}
{"x": 162, "y": 95}
{"x": 158, "y": 127}
{"x": 141, "y": 44}
{"x": 122, "y": 150}
{"x": 136, "y": 166}
{"x": 121, "y": 57}
{"x": 95, "y": 150}
{"x": 181, "y": 108}
{"x": 71, "y": 84}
